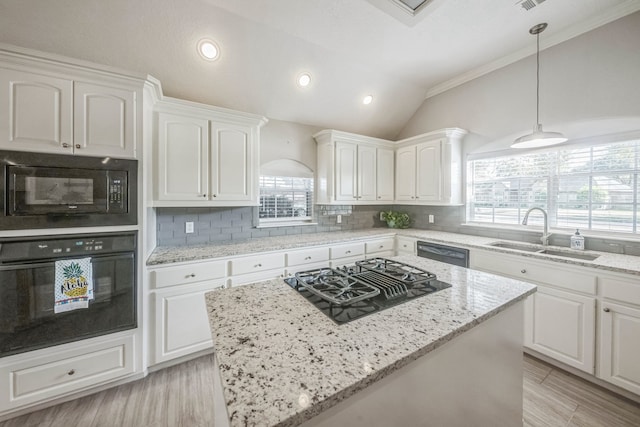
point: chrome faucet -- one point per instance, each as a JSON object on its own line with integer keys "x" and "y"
{"x": 545, "y": 233}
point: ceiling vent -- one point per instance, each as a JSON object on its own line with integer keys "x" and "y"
{"x": 529, "y": 4}
{"x": 408, "y": 12}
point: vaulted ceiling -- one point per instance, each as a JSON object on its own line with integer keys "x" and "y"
{"x": 351, "y": 48}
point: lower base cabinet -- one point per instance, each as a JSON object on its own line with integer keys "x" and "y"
{"x": 26, "y": 379}
{"x": 561, "y": 325}
{"x": 181, "y": 320}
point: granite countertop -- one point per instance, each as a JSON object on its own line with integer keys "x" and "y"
{"x": 282, "y": 361}
{"x": 166, "y": 254}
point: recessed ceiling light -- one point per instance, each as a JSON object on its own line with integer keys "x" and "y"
{"x": 208, "y": 49}
{"x": 367, "y": 99}
{"x": 304, "y": 79}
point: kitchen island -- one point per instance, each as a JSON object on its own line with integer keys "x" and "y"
{"x": 447, "y": 358}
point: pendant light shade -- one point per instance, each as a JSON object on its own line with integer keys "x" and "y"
{"x": 538, "y": 138}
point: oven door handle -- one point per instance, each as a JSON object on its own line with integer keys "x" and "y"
{"x": 23, "y": 266}
{"x": 51, "y": 263}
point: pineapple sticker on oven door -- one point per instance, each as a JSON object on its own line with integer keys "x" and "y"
{"x": 75, "y": 283}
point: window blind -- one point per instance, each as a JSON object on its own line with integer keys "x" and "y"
{"x": 591, "y": 187}
{"x": 286, "y": 198}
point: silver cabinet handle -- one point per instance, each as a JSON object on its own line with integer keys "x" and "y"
{"x": 78, "y": 146}
{"x": 381, "y": 246}
{"x": 65, "y": 145}
{"x": 71, "y": 372}
{"x": 307, "y": 257}
{"x": 523, "y": 271}
{"x": 215, "y": 195}
{"x": 347, "y": 252}
{"x": 204, "y": 195}
{"x": 258, "y": 265}
{"x": 191, "y": 275}
{"x": 606, "y": 310}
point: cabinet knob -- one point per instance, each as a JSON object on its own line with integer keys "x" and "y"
{"x": 258, "y": 265}
{"x": 191, "y": 275}
{"x": 215, "y": 195}
{"x": 606, "y": 310}
{"x": 347, "y": 252}
{"x": 65, "y": 145}
{"x": 523, "y": 271}
{"x": 379, "y": 197}
{"x": 71, "y": 372}
{"x": 381, "y": 246}
{"x": 78, "y": 146}
{"x": 204, "y": 195}
{"x": 307, "y": 257}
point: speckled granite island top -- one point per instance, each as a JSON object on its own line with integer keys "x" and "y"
{"x": 282, "y": 361}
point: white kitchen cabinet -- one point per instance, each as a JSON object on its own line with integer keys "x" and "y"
{"x": 619, "y": 339}
{"x": 181, "y": 320}
{"x": 183, "y": 158}
{"x": 255, "y": 268}
{"x": 39, "y": 376}
{"x": 207, "y": 156}
{"x": 429, "y": 168}
{"x": 385, "y": 166}
{"x": 346, "y": 254}
{"x": 562, "y": 325}
{"x": 36, "y": 112}
{"x": 560, "y": 319}
{"x": 54, "y": 114}
{"x": 353, "y": 169}
{"x": 406, "y": 245}
{"x": 104, "y": 120}
{"x": 380, "y": 248}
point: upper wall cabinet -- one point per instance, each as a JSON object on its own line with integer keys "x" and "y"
{"x": 353, "y": 169}
{"x": 55, "y": 111}
{"x": 206, "y": 156}
{"x": 429, "y": 168}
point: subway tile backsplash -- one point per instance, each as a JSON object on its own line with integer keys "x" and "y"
{"x": 212, "y": 225}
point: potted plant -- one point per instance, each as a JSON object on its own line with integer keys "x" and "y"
{"x": 396, "y": 219}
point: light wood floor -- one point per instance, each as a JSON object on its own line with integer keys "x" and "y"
{"x": 182, "y": 396}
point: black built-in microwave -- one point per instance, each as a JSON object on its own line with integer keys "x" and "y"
{"x": 61, "y": 191}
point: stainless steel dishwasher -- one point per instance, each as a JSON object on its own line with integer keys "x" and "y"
{"x": 443, "y": 253}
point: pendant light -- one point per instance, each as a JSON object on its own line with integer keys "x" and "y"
{"x": 538, "y": 138}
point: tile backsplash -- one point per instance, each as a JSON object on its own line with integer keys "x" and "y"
{"x": 213, "y": 225}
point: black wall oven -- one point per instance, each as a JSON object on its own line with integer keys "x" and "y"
{"x": 52, "y": 191}
{"x": 28, "y": 284}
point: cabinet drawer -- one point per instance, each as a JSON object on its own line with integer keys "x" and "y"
{"x": 525, "y": 268}
{"x": 170, "y": 276}
{"x": 406, "y": 244}
{"x": 620, "y": 289}
{"x": 46, "y": 377}
{"x": 307, "y": 256}
{"x": 259, "y": 276}
{"x": 347, "y": 251}
{"x": 380, "y": 245}
{"x": 257, "y": 263}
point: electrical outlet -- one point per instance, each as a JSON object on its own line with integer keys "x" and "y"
{"x": 188, "y": 227}
{"x": 431, "y": 219}
{"x": 339, "y": 219}
{"x": 381, "y": 216}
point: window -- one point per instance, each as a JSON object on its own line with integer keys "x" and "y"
{"x": 588, "y": 187}
{"x": 285, "y": 198}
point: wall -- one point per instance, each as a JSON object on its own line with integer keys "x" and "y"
{"x": 287, "y": 140}
{"x": 588, "y": 86}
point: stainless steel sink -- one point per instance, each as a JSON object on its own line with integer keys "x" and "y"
{"x": 575, "y": 255}
{"x": 524, "y": 247}
{"x": 517, "y": 246}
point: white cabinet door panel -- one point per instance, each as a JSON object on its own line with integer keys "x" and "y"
{"x": 104, "y": 121}
{"x": 35, "y": 112}
{"x": 406, "y": 173}
{"x": 182, "y": 158}
{"x": 346, "y": 167}
{"x": 231, "y": 162}
{"x": 182, "y": 322}
{"x": 429, "y": 171}
{"x": 366, "y": 173}
{"x": 620, "y": 346}
{"x": 562, "y": 325}
{"x": 385, "y": 167}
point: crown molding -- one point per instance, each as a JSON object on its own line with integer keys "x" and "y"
{"x": 610, "y": 15}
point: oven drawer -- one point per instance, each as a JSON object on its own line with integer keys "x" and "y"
{"x": 350, "y": 250}
{"x": 34, "y": 379}
{"x": 197, "y": 272}
{"x": 256, "y": 263}
{"x": 307, "y": 256}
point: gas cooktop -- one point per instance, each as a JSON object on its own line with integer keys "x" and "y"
{"x": 372, "y": 285}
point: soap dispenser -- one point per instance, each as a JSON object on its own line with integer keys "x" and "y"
{"x": 577, "y": 241}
